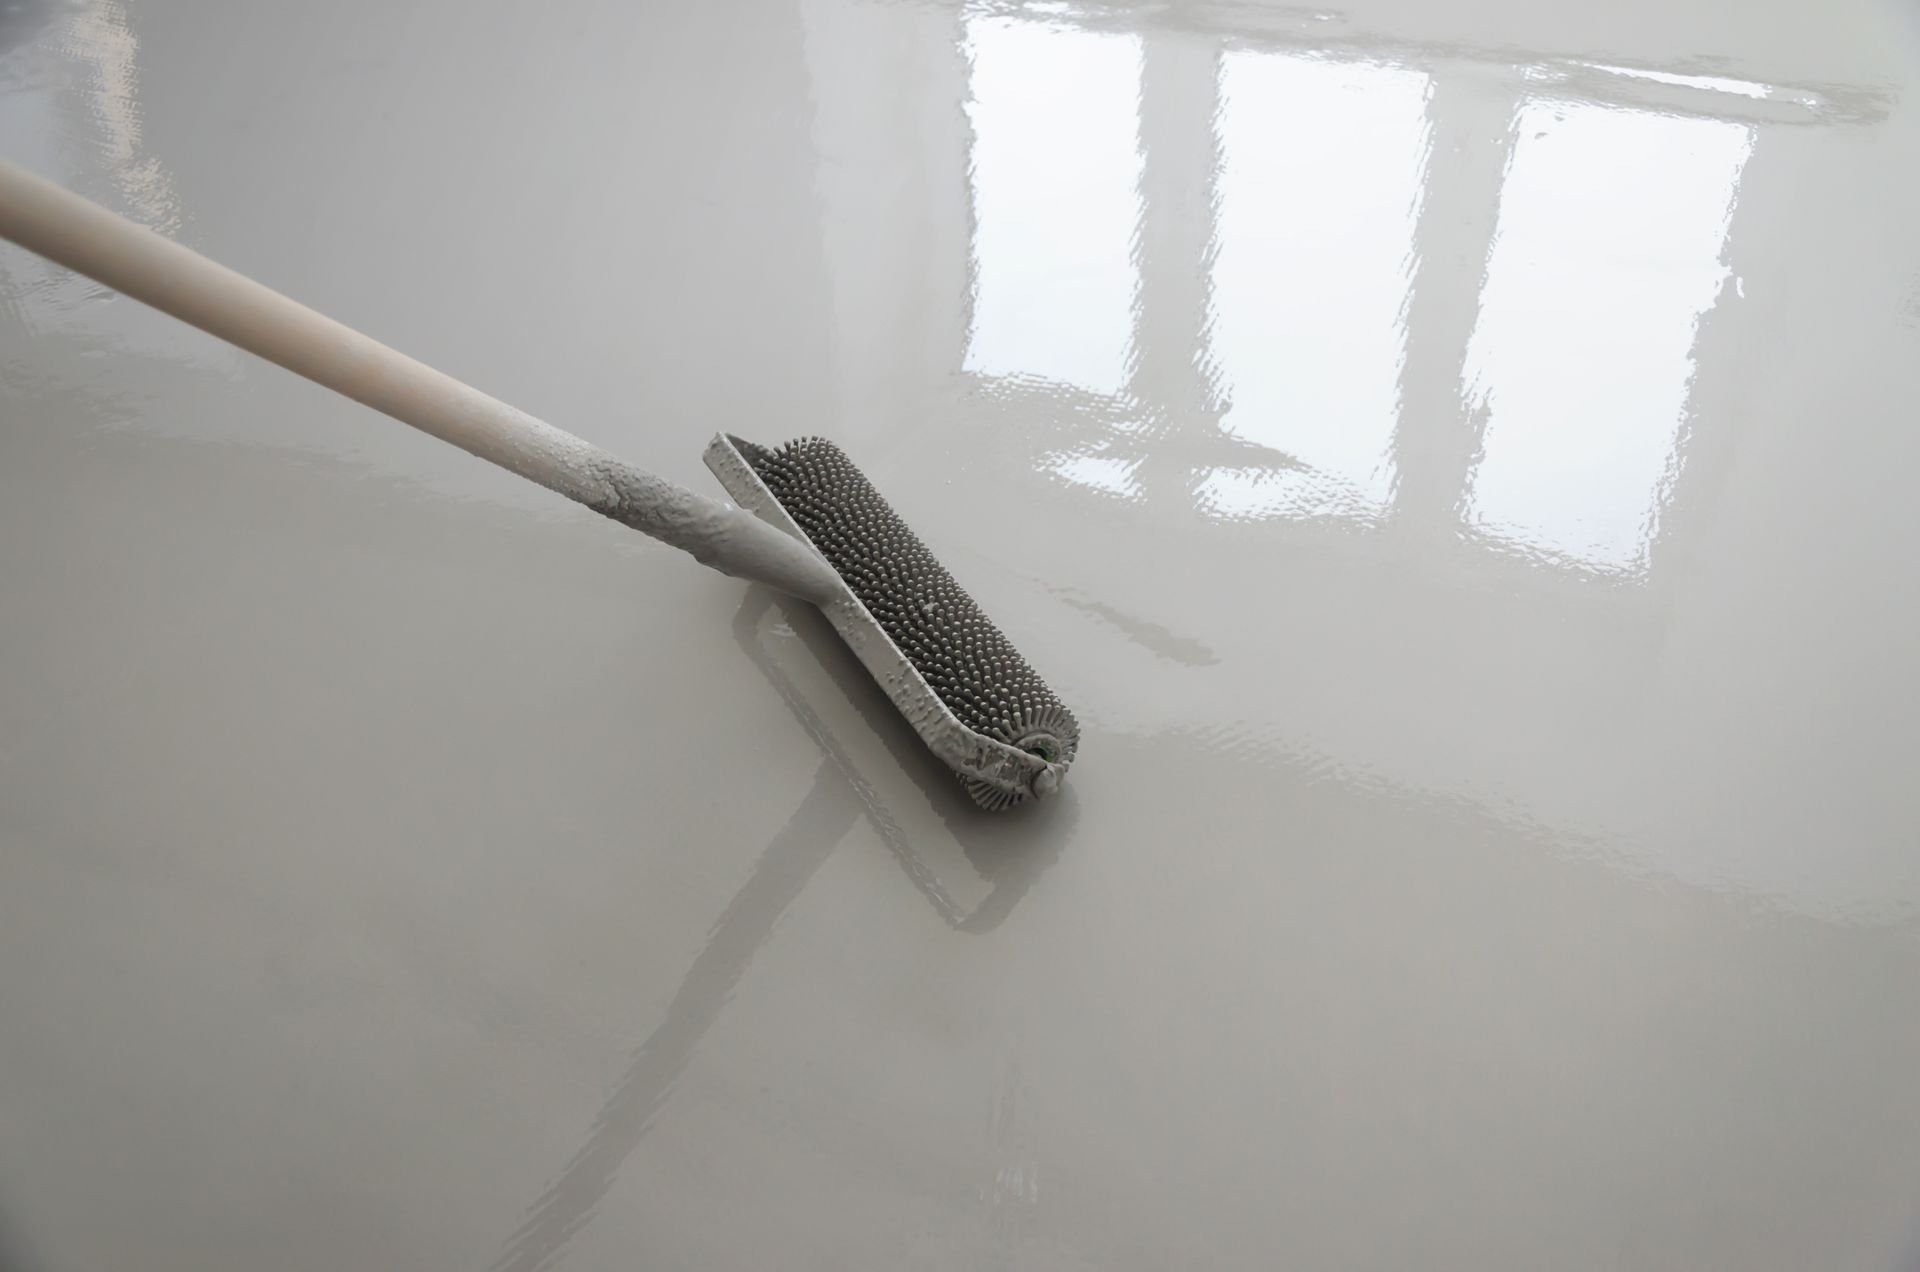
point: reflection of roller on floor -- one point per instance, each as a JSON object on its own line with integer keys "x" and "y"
{"x": 869, "y": 738}
{"x": 1009, "y": 853}
{"x": 816, "y": 828}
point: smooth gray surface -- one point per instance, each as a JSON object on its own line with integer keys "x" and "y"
{"x": 1456, "y": 459}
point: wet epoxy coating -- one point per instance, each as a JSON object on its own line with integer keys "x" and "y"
{"x": 1456, "y": 459}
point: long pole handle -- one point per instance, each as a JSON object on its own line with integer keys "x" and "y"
{"x": 85, "y": 237}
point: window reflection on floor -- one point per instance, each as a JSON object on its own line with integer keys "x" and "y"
{"x": 1056, "y": 173}
{"x": 1318, "y": 197}
{"x": 1109, "y": 473}
{"x": 1607, "y": 251}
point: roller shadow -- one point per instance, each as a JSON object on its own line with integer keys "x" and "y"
{"x": 1009, "y": 851}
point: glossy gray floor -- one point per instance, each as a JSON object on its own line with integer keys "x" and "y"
{"x": 1458, "y": 460}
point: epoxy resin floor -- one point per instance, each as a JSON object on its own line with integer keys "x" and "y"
{"x": 1457, "y": 458}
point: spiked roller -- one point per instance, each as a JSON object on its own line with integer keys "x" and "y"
{"x": 969, "y": 694}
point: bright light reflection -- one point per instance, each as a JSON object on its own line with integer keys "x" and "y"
{"x": 1607, "y": 251}
{"x": 1319, "y": 194}
{"x": 1107, "y": 473}
{"x": 1711, "y": 83}
{"x": 1056, "y": 175}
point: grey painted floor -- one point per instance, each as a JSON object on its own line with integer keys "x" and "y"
{"x": 1457, "y": 459}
